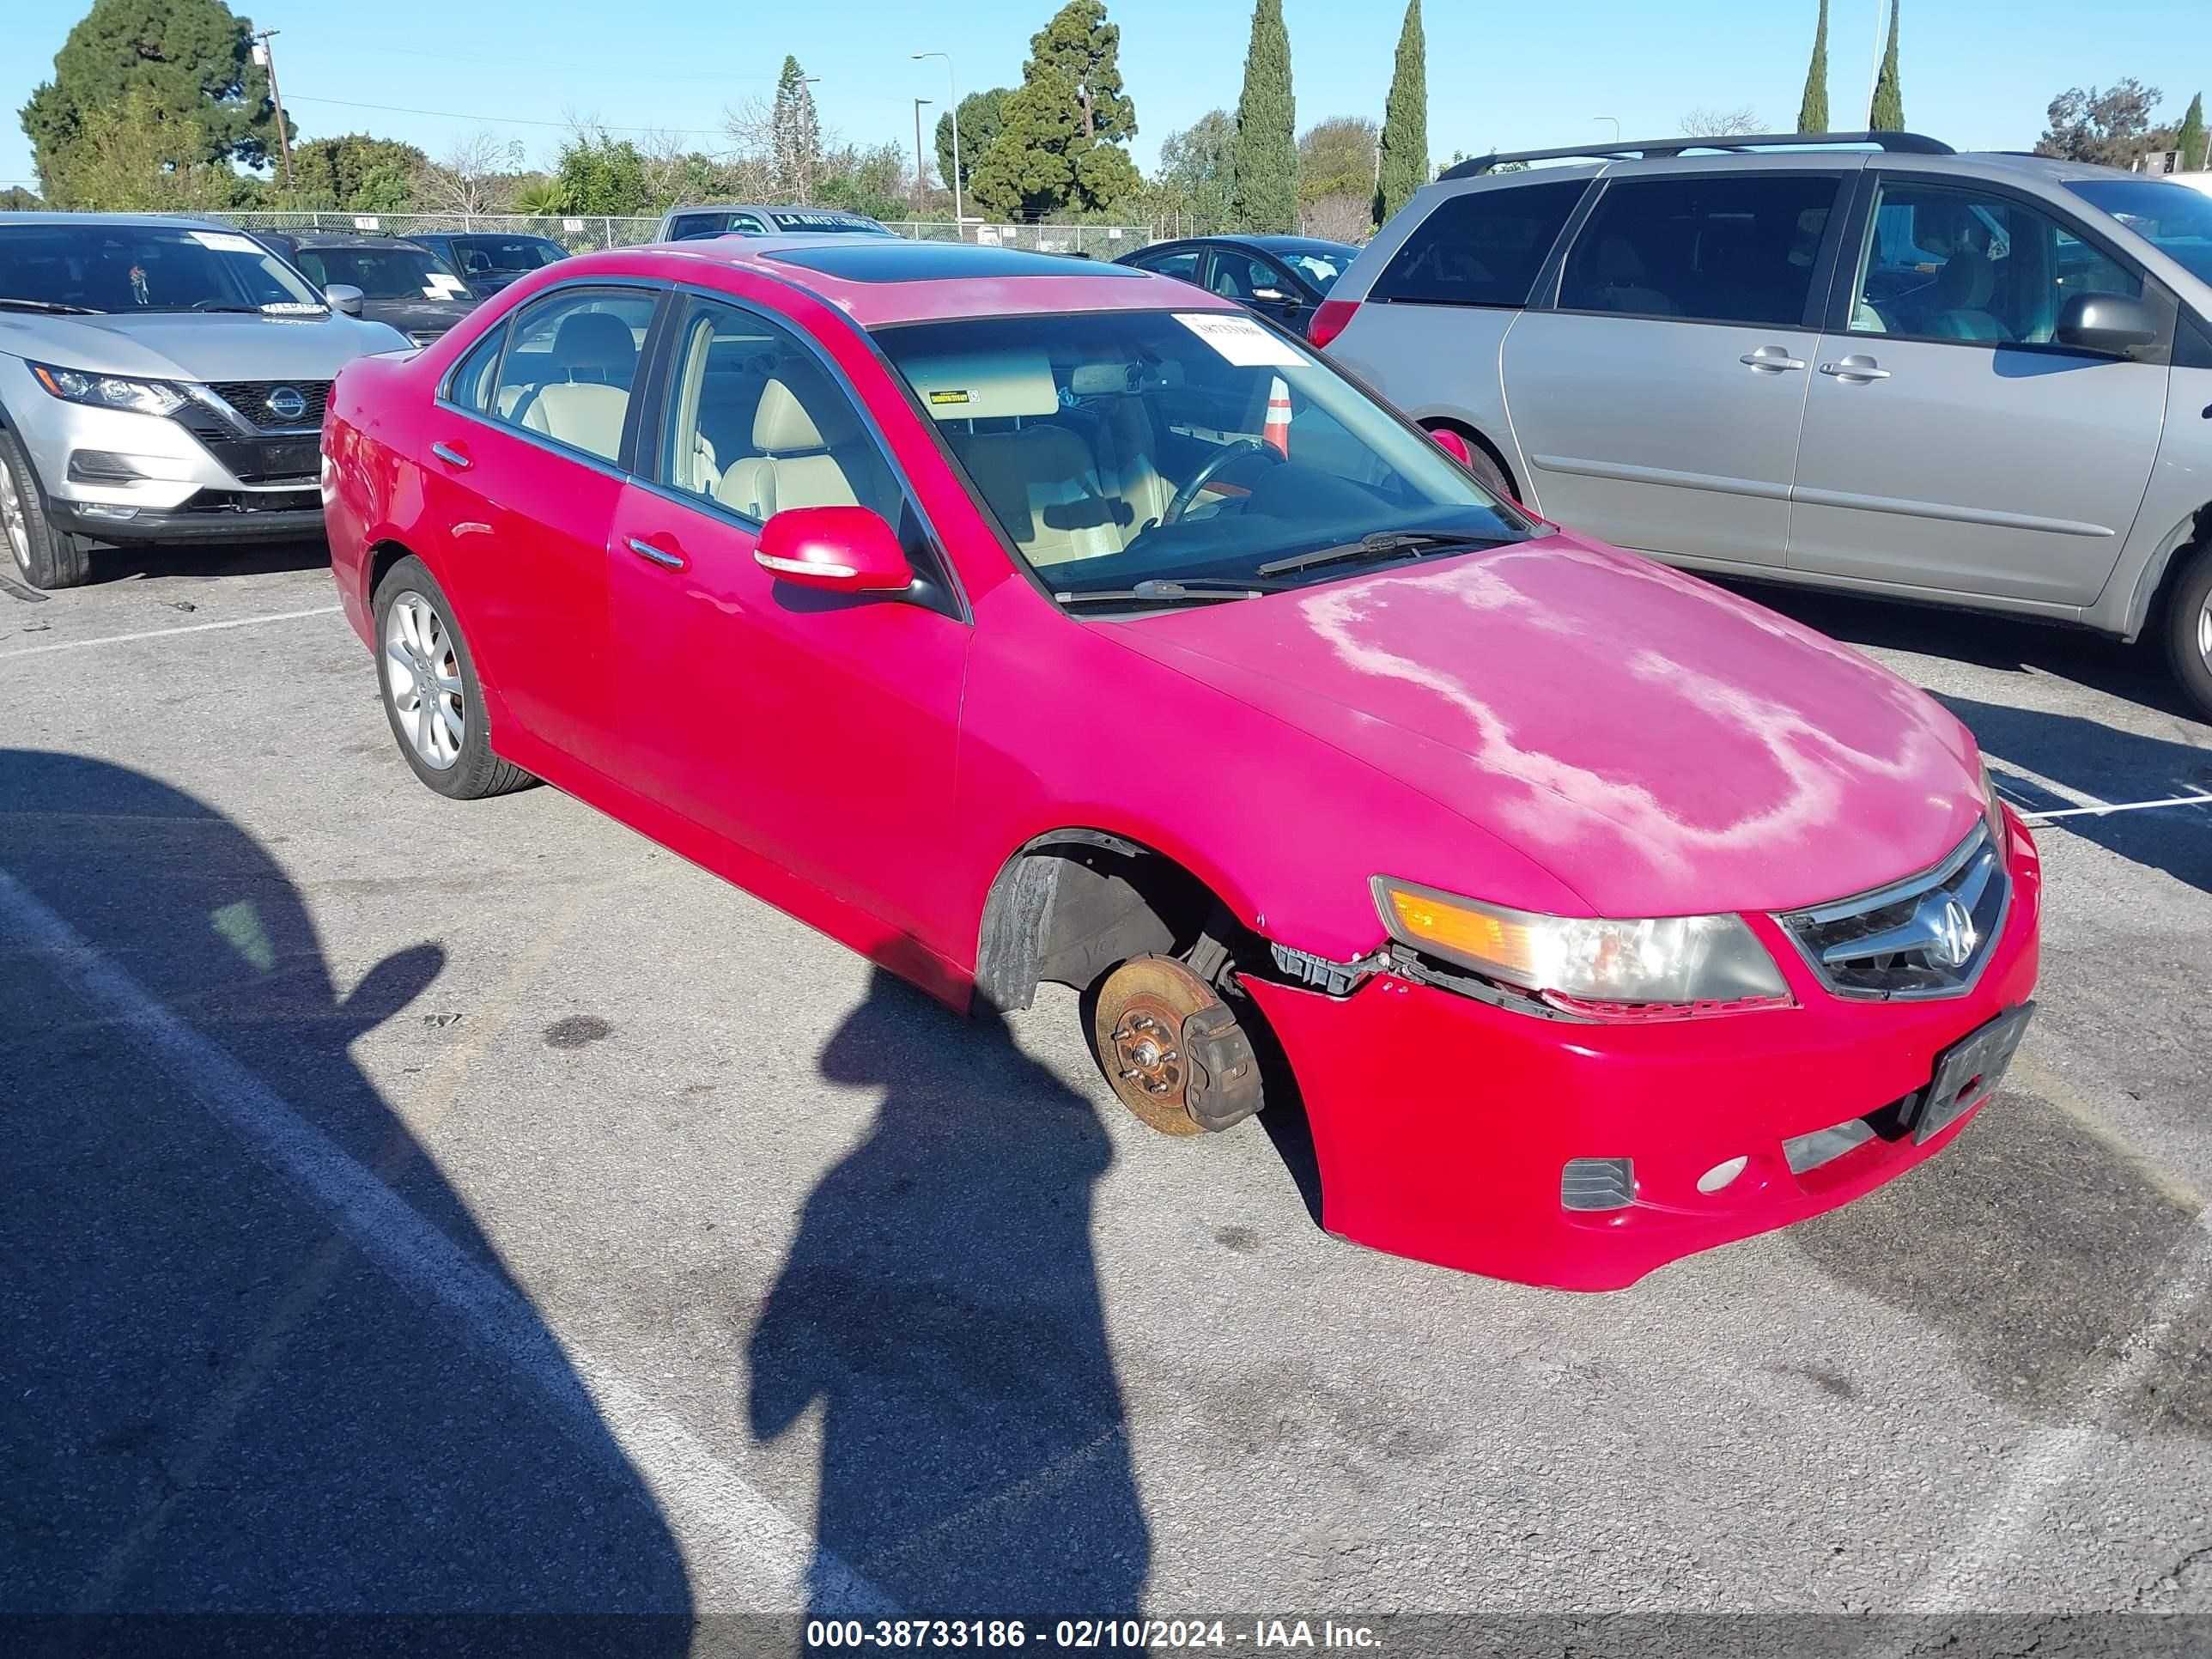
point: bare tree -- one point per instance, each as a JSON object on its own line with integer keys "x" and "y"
{"x": 470, "y": 177}
{"x": 1737, "y": 123}
{"x": 1342, "y": 217}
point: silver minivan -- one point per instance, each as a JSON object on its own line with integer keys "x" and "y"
{"x": 160, "y": 381}
{"x": 1860, "y": 361}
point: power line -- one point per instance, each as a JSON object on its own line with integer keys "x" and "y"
{"x": 509, "y": 120}
{"x": 476, "y": 60}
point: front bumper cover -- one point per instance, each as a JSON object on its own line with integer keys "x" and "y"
{"x": 1443, "y": 1125}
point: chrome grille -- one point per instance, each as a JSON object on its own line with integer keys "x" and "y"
{"x": 250, "y": 398}
{"x": 1927, "y": 936}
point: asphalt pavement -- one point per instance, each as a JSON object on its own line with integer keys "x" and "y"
{"x": 417, "y": 1206}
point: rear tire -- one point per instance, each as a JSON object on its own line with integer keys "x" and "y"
{"x": 2189, "y": 630}
{"x": 432, "y": 697}
{"x": 39, "y": 554}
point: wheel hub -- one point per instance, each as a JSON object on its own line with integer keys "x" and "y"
{"x": 1145, "y": 1048}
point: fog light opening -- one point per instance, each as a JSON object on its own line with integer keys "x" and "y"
{"x": 1721, "y": 1174}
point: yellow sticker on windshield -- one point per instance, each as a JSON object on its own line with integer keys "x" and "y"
{"x": 955, "y": 397}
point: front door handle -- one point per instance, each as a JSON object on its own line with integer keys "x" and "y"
{"x": 659, "y": 555}
{"x": 1771, "y": 357}
{"x": 451, "y": 455}
{"x": 1856, "y": 367}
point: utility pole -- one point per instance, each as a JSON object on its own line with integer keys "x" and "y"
{"x": 265, "y": 55}
{"x": 952, "y": 86}
{"x": 921, "y": 168}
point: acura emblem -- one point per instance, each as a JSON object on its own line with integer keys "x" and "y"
{"x": 1950, "y": 934}
{"x": 287, "y": 403}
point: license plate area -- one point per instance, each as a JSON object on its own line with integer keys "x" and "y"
{"x": 1969, "y": 1070}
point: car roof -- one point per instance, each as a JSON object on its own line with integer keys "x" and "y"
{"x": 343, "y": 239}
{"x": 904, "y": 282}
{"x": 1295, "y": 244}
{"x": 170, "y": 220}
{"x": 766, "y": 207}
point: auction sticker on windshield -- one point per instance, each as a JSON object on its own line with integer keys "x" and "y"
{"x": 1242, "y": 341}
{"x": 226, "y": 241}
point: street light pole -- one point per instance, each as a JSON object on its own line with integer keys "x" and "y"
{"x": 266, "y": 56}
{"x": 952, "y": 91}
{"x": 920, "y": 171}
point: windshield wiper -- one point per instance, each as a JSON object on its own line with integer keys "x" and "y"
{"x": 1160, "y": 591}
{"x": 1379, "y": 544}
{"x": 55, "y": 307}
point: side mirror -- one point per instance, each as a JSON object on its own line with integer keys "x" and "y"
{"x": 2106, "y": 322}
{"x": 345, "y": 296}
{"x": 839, "y": 550}
{"x": 1452, "y": 445}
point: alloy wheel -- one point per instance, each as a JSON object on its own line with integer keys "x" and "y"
{"x": 2204, "y": 631}
{"x": 422, "y": 680}
{"x": 14, "y": 519}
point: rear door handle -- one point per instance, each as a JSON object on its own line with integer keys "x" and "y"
{"x": 1856, "y": 369}
{"x": 451, "y": 455}
{"x": 659, "y": 555}
{"x": 1771, "y": 356}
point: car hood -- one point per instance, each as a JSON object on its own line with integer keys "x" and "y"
{"x": 183, "y": 345}
{"x": 417, "y": 316}
{"x": 1659, "y": 745}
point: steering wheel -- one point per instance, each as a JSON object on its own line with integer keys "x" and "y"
{"x": 1242, "y": 448}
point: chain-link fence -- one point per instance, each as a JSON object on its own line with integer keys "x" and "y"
{"x": 581, "y": 232}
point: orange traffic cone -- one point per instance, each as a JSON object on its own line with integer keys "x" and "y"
{"x": 1276, "y": 434}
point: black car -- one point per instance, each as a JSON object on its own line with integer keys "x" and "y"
{"x": 489, "y": 261}
{"x": 1281, "y": 277}
{"x": 402, "y": 282}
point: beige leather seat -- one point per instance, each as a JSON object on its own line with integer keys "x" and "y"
{"x": 794, "y": 467}
{"x": 586, "y": 397}
{"x": 1042, "y": 484}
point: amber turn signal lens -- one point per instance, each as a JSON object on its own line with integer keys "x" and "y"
{"x": 1461, "y": 931}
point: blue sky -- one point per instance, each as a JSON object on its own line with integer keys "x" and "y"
{"x": 1508, "y": 75}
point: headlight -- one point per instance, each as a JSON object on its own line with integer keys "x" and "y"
{"x": 74, "y": 386}
{"x": 1673, "y": 959}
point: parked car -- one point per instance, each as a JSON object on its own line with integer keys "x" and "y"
{"x": 1966, "y": 379}
{"x": 691, "y": 224}
{"x": 975, "y": 607}
{"x": 160, "y": 381}
{"x": 488, "y": 260}
{"x": 1284, "y": 278}
{"x": 403, "y": 282}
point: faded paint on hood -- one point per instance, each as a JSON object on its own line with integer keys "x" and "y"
{"x": 1660, "y": 745}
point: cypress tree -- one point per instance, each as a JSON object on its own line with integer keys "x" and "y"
{"x": 2189, "y": 138}
{"x": 1813, "y": 108}
{"x": 1887, "y": 114}
{"x": 1404, "y": 158}
{"x": 1267, "y": 196}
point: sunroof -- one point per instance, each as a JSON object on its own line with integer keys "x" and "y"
{"x": 873, "y": 260}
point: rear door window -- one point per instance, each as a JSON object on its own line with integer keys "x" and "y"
{"x": 1723, "y": 249}
{"x": 1181, "y": 263}
{"x": 571, "y": 359}
{"x": 1483, "y": 247}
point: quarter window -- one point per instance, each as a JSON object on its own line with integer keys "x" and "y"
{"x": 571, "y": 361}
{"x": 1944, "y": 263}
{"x": 1240, "y": 276}
{"x": 471, "y": 381}
{"x": 1738, "y": 249}
{"x": 1183, "y": 265}
{"x": 758, "y": 423}
{"x": 1482, "y": 248}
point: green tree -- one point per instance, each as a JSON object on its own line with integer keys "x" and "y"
{"x": 865, "y": 178}
{"x": 1813, "y": 108}
{"x": 189, "y": 58}
{"x": 795, "y": 135}
{"x": 1887, "y": 113}
{"x": 2189, "y": 136}
{"x": 1336, "y": 157}
{"x": 355, "y": 171}
{"x": 1197, "y": 174}
{"x": 1059, "y": 147}
{"x": 137, "y": 155}
{"x": 2110, "y": 127}
{"x": 980, "y": 116}
{"x": 540, "y": 196}
{"x": 600, "y": 174}
{"x": 1267, "y": 190}
{"x": 1404, "y": 167}
{"x": 16, "y": 199}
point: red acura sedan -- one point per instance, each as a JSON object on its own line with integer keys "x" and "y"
{"x": 1017, "y": 619}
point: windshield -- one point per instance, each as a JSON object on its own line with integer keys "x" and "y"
{"x": 508, "y": 255}
{"x": 1121, "y": 447}
{"x": 97, "y": 266}
{"x": 1318, "y": 266}
{"x": 2175, "y": 219}
{"x": 383, "y": 273}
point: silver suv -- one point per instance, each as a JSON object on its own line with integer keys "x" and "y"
{"x": 1861, "y": 361}
{"x": 160, "y": 381}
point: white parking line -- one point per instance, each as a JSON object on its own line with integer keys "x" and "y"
{"x": 163, "y": 633}
{"x": 2098, "y": 810}
{"x": 731, "y": 1520}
